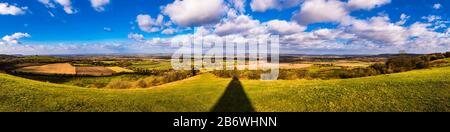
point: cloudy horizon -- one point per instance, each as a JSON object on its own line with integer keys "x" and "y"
{"x": 42, "y": 27}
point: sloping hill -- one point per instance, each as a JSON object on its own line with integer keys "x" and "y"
{"x": 421, "y": 90}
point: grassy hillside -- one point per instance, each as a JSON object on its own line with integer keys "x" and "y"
{"x": 421, "y": 90}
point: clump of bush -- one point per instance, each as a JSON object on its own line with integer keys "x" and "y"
{"x": 119, "y": 84}
{"x": 447, "y": 54}
{"x": 150, "y": 81}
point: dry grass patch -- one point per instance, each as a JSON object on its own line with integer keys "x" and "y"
{"x": 120, "y": 69}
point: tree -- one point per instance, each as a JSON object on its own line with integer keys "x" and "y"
{"x": 447, "y": 54}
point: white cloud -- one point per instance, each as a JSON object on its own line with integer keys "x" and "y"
{"x": 437, "y": 6}
{"x": 316, "y": 11}
{"x": 168, "y": 31}
{"x": 242, "y": 24}
{"x": 136, "y": 37}
{"x": 146, "y": 23}
{"x": 281, "y": 27}
{"x": 379, "y": 30}
{"x": 403, "y": 19}
{"x": 332, "y": 34}
{"x": 427, "y": 39}
{"x": 264, "y": 5}
{"x": 418, "y": 29}
{"x": 366, "y": 4}
{"x": 194, "y": 13}
{"x": 47, "y": 3}
{"x": 202, "y": 31}
{"x": 51, "y": 14}
{"x": 6, "y": 9}
{"x": 160, "y": 19}
{"x": 14, "y": 38}
{"x": 67, "y": 6}
{"x": 98, "y": 5}
{"x": 432, "y": 18}
{"x": 239, "y": 5}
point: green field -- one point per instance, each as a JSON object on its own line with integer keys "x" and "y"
{"x": 153, "y": 65}
{"x": 420, "y": 90}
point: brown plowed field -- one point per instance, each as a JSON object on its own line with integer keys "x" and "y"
{"x": 94, "y": 71}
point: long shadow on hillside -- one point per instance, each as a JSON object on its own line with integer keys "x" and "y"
{"x": 234, "y": 99}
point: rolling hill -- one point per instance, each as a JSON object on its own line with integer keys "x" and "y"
{"x": 420, "y": 90}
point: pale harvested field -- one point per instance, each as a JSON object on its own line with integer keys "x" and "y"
{"x": 294, "y": 66}
{"x": 94, "y": 71}
{"x": 120, "y": 69}
{"x": 353, "y": 63}
{"x": 59, "y": 68}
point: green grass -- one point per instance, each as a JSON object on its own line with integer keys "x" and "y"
{"x": 153, "y": 65}
{"x": 40, "y": 58}
{"x": 421, "y": 90}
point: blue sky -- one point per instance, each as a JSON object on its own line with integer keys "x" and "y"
{"x": 355, "y": 26}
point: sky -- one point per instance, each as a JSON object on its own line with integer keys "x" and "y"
{"x": 42, "y": 27}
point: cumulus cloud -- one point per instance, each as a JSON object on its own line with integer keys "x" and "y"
{"x": 380, "y": 30}
{"x": 264, "y": 5}
{"x": 366, "y": 4}
{"x": 319, "y": 11}
{"x": 437, "y": 6}
{"x": 14, "y": 38}
{"x": 6, "y": 9}
{"x": 98, "y": 5}
{"x": 427, "y": 39}
{"x": 146, "y": 23}
{"x": 281, "y": 27}
{"x": 194, "y": 13}
{"x": 316, "y": 11}
{"x": 242, "y": 24}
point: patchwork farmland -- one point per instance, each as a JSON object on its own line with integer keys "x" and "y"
{"x": 68, "y": 69}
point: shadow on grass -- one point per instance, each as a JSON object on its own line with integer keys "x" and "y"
{"x": 234, "y": 99}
